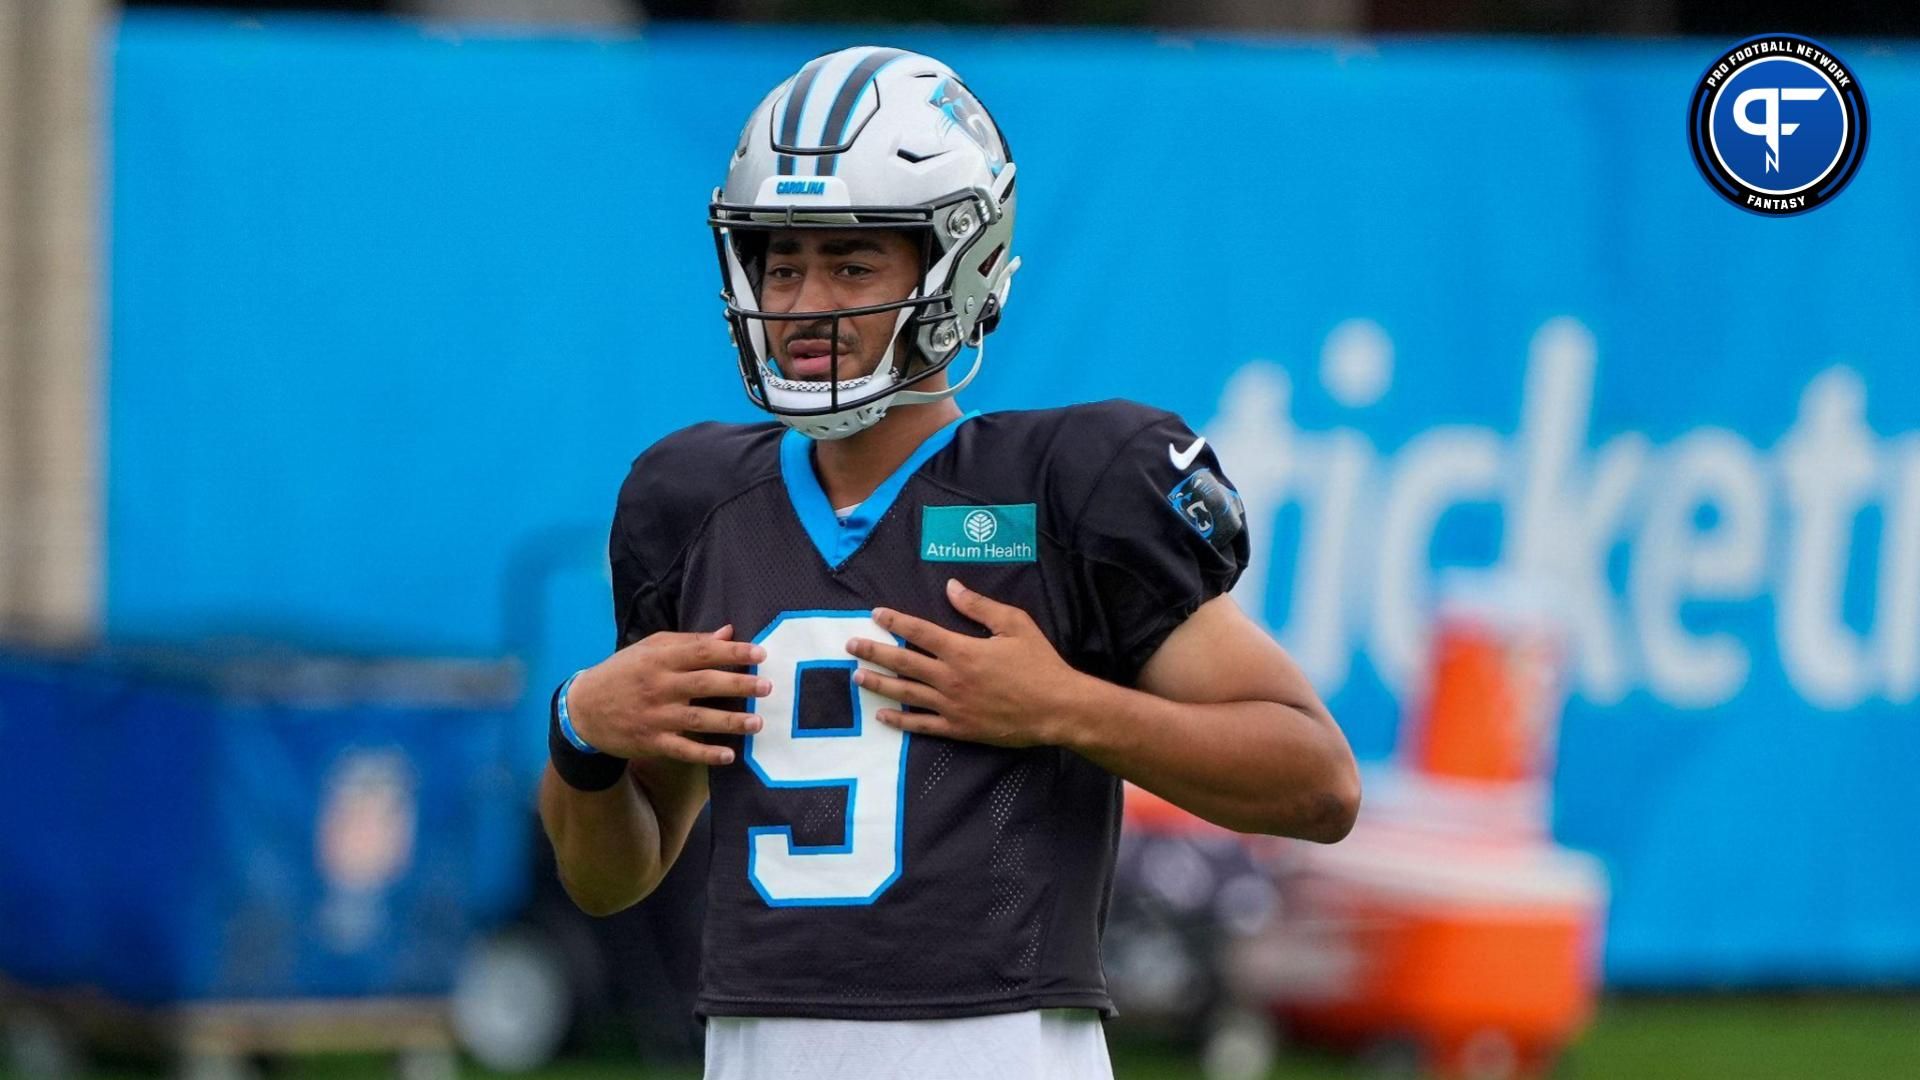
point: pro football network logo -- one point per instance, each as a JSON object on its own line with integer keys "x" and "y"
{"x": 1778, "y": 125}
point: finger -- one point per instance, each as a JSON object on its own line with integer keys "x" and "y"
{"x": 918, "y": 723}
{"x": 905, "y": 691}
{"x": 707, "y": 683}
{"x": 724, "y": 632}
{"x": 681, "y": 748}
{"x": 718, "y": 721}
{"x": 709, "y": 652}
{"x": 900, "y": 661}
{"x": 937, "y": 640}
{"x": 664, "y": 638}
{"x": 988, "y": 612}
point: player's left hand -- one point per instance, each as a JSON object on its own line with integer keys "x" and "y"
{"x": 1009, "y": 689}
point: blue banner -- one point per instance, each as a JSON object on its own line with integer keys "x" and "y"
{"x": 273, "y": 827}
{"x": 393, "y": 306}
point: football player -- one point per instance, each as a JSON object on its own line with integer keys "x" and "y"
{"x": 909, "y": 653}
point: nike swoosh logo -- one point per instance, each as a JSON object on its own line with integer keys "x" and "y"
{"x": 1184, "y": 458}
{"x": 910, "y": 156}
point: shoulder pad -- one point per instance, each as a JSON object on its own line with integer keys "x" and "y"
{"x": 672, "y": 487}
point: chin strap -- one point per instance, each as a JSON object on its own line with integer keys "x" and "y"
{"x": 925, "y": 397}
{"x": 841, "y": 425}
{"x": 978, "y": 343}
{"x": 838, "y": 425}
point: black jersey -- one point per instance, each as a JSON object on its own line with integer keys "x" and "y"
{"x": 859, "y": 872}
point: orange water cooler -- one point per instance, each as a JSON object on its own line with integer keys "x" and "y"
{"x": 1449, "y": 932}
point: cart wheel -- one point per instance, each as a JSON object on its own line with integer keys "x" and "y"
{"x": 512, "y": 1001}
{"x": 38, "y": 1047}
{"x": 1239, "y": 1045}
{"x": 436, "y": 1063}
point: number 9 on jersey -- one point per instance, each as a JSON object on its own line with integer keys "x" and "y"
{"x": 867, "y": 758}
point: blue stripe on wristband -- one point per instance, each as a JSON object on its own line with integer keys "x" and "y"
{"x": 566, "y": 721}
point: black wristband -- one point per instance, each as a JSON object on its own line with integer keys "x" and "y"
{"x": 581, "y": 770}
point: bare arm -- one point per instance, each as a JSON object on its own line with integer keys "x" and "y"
{"x": 614, "y": 846}
{"x": 1224, "y": 724}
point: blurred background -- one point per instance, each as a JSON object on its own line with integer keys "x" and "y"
{"x": 1591, "y": 503}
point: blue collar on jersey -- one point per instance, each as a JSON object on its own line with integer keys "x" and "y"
{"x": 836, "y": 537}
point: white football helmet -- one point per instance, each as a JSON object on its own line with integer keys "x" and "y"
{"x": 870, "y": 138}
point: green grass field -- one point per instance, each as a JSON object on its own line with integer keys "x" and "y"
{"x": 1678, "y": 1038}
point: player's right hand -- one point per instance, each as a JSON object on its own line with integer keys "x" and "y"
{"x": 639, "y": 702}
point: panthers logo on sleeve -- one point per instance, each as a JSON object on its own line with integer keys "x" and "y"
{"x": 1210, "y": 507}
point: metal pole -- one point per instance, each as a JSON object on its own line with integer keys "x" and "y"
{"x": 50, "y": 386}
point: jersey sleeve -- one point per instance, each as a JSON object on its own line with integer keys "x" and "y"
{"x": 640, "y": 559}
{"x": 664, "y": 503}
{"x": 1163, "y": 531}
